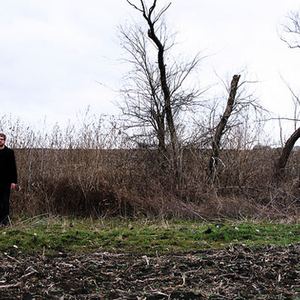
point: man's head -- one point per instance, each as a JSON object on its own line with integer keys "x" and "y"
{"x": 2, "y": 140}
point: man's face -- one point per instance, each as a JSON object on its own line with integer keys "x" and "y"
{"x": 2, "y": 141}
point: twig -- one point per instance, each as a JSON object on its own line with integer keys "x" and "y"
{"x": 9, "y": 286}
{"x": 28, "y": 274}
{"x": 10, "y": 257}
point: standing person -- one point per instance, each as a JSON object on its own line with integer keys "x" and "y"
{"x": 8, "y": 178}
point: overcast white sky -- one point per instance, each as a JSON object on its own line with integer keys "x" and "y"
{"x": 57, "y": 57}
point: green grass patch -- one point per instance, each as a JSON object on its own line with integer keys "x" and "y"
{"x": 53, "y": 235}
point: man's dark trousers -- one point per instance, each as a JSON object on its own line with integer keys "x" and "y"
{"x": 4, "y": 203}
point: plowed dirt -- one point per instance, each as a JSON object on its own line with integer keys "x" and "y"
{"x": 237, "y": 272}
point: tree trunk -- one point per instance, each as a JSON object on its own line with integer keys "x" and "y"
{"x": 161, "y": 132}
{"x": 286, "y": 151}
{"x": 164, "y": 86}
{"x": 223, "y": 122}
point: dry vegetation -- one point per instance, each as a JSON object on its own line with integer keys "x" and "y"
{"x": 95, "y": 171}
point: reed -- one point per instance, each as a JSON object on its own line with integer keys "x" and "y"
{"x": 93, "y": 169}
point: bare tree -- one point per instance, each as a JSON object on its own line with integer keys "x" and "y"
{"x": 155, "y": 93}
{"x": 286, "y": 151}
{"x": 241, "y": 108}
{"x": 290, "y": 142}
{"x": 219, "y": 131}
{"x": 143, "y": 102}
{"x": 291, "y": 36}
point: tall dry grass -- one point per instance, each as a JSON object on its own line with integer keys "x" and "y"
{"x": 93, "y": 169}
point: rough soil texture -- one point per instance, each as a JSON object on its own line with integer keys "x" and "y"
{"x": 237, "y": 272}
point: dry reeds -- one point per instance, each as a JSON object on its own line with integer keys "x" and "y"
{"x": 93, "y": 170}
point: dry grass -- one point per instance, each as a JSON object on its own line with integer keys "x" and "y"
{"x": 94, "y": 170}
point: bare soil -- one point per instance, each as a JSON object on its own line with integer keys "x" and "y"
{"x": 237, "y": 272}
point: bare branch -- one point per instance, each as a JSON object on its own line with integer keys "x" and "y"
{"x": 291, "y": 30}
{"x": 134, "y": 6}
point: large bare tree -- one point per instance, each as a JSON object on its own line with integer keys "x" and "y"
{"x": 156, "y": 93}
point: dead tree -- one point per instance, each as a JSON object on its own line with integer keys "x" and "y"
{"x": 157, "y": 96}
{"x": 291, "y": 36}
{"x": 151, "y": 21}
{"x": 285, "y": 154}
{"x": 216, "y": 140}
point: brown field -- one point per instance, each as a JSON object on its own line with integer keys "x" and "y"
{"x": 237, "y": 272}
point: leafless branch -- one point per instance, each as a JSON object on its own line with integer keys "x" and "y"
{"x": 291, "y": 30}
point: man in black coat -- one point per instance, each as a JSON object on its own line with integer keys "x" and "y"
{"x": 8, "y": 178}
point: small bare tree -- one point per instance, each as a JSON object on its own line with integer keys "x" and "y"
{"x": 241, "y": 107}
{"x": 219, "y": 131}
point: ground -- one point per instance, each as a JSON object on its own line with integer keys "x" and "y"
{"x": 234, "y": 272}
